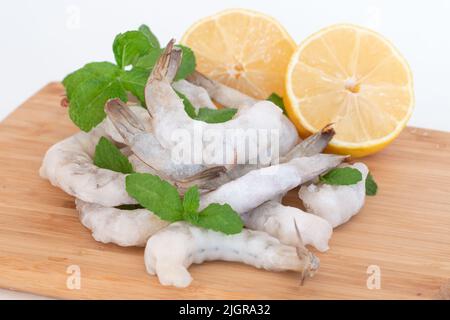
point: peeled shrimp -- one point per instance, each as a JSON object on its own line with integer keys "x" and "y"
{"x": 122, "y": 227}
{"x": 144, "y": 144}
{"x": 197, "y": 95}
{"x": 336, "y": 204}
{"x": 69, "y": 165}
{"x": 261, "y": 185}
{"x": 171, "y": 251}
{"x": 230, "y": 97}
{"x": 313, "y": 145}
{"x": 168, "y": 115}
{"x": 276, "y": 219}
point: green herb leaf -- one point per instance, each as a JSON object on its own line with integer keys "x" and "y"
{"x": 278, "y": 100}
{"x": 94, "y": 70}
{"x": 220, "y": 218}
{"x": 206, "y": 114}
{"x": 188, "y": 106}
{"x": 191, "y": 202}
{"x": 108, "y": 156}
{"x": 216, "y": 115}
{"x": 134, "y": 81}
{"x": 87, "y": 100}
{"x": 371, "y": 185}
{"x": 187, "y": 65}
{"x": 191, "y": 199}
{"x": 341, "y": 176}
{"x": 156, "y": 195}
{"x": 152, "y": 39}
{"x": 128, "y": 47}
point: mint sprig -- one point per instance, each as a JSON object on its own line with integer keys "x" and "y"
{"x": 152, "y": 39}
{"x": 277, "y": 100}
{"x": 163, "y": 199}
{"x": 371, "y": 185}
{"x": 187, "y": 65}
{"x": 206, "y": 114}
{"x": 108, "y": 156}
{"x": 128, "y": 47}
{"x": 341, "y": 176}
{"x": 89, "y": 87}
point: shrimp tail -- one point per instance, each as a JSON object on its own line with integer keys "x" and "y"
{"x": 168, "y": 63}
{"x": 202, "y": 178}
{"x": 312, "y": 263}
{"x": 312, "y": 145}
{"x": 123, "y": 119}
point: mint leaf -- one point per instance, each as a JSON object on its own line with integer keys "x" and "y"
{"x": 134, "y": 81}
{"x": 152, "y": 39}
{"x": 191, "y": 199}
{"x": 128, "y": 47}
{"x": 371, "y": 185}
{"x": 97, "y": 70}
{"x": 215, "y": 115}
{"x": 87, "y": 101}
{"x": 188, "y": 107}
{"x": 206, "y": 114}
{"x": 156, "y": 195}
{"x": 108, "y": 156}
{"x": 278, "y": 100}
{"x": 220, "y": 218}
{"x": 187, "y": 65}
{"x": 341, "y": 176}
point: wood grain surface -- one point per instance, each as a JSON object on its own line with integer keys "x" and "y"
{"x": 404, "y": 230}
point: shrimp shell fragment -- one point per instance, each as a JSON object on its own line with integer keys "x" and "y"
{"x": 171, "y": 251}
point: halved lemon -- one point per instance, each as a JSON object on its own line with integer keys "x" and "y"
{"x": 243, "y": 49}
{"x": 355, "y": 78}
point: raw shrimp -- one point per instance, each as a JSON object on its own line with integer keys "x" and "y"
{"x": 168, "y": 116}
{"x": 171, "y": 251}
{"x": 221, "y": 93}
{"x": 69, "y": 165}
{"x": 122, "y": 227}
{"x": 313, "y": 145}
{"x": 276, "y": 219}
{"x": 146, "y": 147}
{"x": 261, "y": 185}
{"x": 197, "y": 95}
{"x": 230, "y": 97}
{"x": 336, "y": 204}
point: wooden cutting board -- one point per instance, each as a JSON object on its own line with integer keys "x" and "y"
{"x": 404, "y": 230}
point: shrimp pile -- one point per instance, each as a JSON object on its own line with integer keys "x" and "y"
{"x": 275, "y": 236}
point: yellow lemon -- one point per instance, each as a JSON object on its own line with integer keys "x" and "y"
{"x": 246, "y": 50}
{"x": 352, "y": 77}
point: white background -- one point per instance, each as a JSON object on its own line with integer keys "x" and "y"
{"x": 42, "y": 41}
